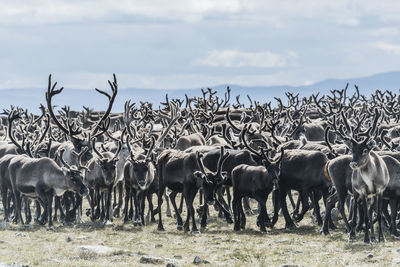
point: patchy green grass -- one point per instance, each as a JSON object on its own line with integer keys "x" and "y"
{"x": 218, "y": 244}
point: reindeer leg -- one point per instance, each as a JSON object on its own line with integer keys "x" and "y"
{"x": 28, "y": 215}
{"x": 143, "y": 206}
{"x": 181, "y": 204}
{"x": 227, "y": 214}
{"x": 367, "y": 219}
{"x": 263, "y": 213}
{"x": 4, "y": 191}
{"x": 290, "y": 195}
{"x": 159, "y": 203}
{"x": 126, "y": 204}
{"x": 288, "y": 221}
{"x": 133, "y": 194}
{"x": 189, "y": 203}
{"x": 168, "y": 212}
{"x": 151, "y": 208}
{"x": 381, "y": 238}
{"x": 179, "y": 221}
{"x": 352, "y": 233}
{"x": 49, "y": 209}
{"x": 242, "y": 215}
{"x": 330, "y": 203}
{"x": 236, "y": 213}
{"x": 203, "y": 222}
{"x": 393, "y": 209}
{"x": 305, "y": 206}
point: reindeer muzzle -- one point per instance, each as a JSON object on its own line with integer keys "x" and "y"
{"x": 353, "y": 165}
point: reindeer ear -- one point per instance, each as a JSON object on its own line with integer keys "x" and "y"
{"x": 64, "y": 170}
{"x": 371, "y": 144}
{"x": 199, "y": 174}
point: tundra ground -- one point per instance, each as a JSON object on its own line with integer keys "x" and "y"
{"x": 218, "y": 244}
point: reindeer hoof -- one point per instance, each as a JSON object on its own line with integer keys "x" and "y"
{"x": 179, "y": 227}
{"x": 324, "y": 232}
{"x": 195, "y": 232}
{"x": 160, "y": 228}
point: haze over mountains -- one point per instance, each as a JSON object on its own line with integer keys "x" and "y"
{"x": 31, "y": 98}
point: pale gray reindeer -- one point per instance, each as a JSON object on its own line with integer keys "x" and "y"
{"x": 369, "y": 179}
{"x": 43, "y": 179}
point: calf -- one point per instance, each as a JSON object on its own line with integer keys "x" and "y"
{"x": 256, "y": 182}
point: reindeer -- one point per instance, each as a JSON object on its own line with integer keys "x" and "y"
{"x": 100, "y": 177}
{"x": 369, "y": 179}
{"x": 256, "y": 182}
{"x": 139, "y": 176}
{"x": 42, "y": 179}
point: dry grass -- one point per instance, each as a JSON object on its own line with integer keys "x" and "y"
{"x": 218, "y": 244}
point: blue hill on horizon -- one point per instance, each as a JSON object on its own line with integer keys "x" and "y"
{"x": 31, "y": 98}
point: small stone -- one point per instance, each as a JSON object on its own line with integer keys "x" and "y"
{"x": 158, "y": 245}
{"x": 282, "y": 240}
{"x": 151, "y": 260}
{"x": 236, "y": 240}
{"x": 171, "y": 265}
{"x": 197, "y": 260}
{"x": 370, "y": 255}
{"x": 94, "y": 251}
{"x": 69, "y": 239}
{"x": 178, "y": 257}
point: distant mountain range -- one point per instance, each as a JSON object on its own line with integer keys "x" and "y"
{"x": 31, "y": 98}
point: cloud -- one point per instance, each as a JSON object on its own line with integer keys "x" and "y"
{"x": 345, "y": 12}
{"x": 391, "y": 49}
{"x": 237, "y": 59}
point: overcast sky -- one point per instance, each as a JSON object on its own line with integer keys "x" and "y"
{"x": 190, "y": 44}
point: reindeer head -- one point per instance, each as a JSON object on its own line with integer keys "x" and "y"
{"x": 211, "y": 180}
{"x": 74, "y": 174}
{"x": 142, "y": 165}
{"x": 273, "y": 166}
{"x": 360, "y": 152}
{"x": 107, "y": 165}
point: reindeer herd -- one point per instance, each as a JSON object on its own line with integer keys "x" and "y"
{"x": 341, "y": 148}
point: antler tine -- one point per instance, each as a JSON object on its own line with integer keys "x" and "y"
{"x": 383, "y": 133}
{"x": 152, "y": 144}
{"x": 103, "y": 127}
{"x": 243, "y": 136}
{"x": 71, "y": 125}
{"x": 62, "y": 159}
{"x": 118, "y": 151}
{"x": 222, "y": 158}
{"x": 200, "y": 162}
{"x": 49, "y": 96}
{"x": 94, "y": 148}
{"x": 114, "y": 88}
